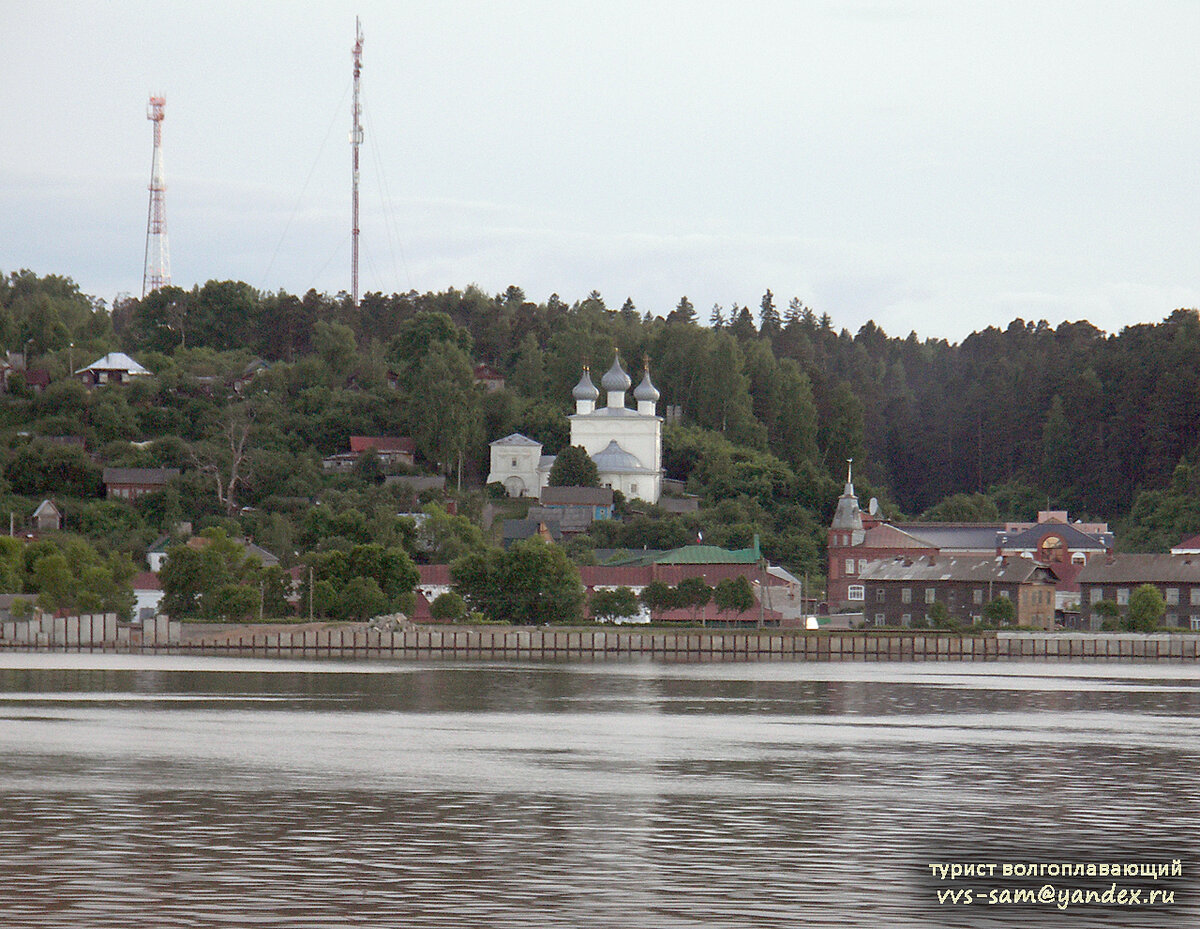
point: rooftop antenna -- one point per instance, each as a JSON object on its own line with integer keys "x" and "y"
{"x": 356, "y": 137}
{"x": 157, "y": 267}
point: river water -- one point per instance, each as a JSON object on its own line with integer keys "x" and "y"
{"x": 162, "y": 792}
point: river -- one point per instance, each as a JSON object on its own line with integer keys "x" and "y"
{"x": 182, "y": 791}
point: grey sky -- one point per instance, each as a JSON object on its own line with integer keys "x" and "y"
{"x": 937, "y": 166}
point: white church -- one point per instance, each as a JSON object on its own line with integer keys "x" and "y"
{"x": 625, "y": 444}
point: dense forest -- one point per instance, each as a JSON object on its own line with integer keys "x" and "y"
{"x": 767, "y": 404}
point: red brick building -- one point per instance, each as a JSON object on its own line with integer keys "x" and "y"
{"x": 857, "y": 538}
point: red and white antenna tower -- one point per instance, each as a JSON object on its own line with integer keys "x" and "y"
{"x": 356, "y": 137}
{"x": 157, "y": 272}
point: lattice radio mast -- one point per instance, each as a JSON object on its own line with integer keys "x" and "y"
{"x": 157, "y": 269}
{"x": 356, "y": 137}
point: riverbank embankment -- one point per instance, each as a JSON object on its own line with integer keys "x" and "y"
{"x": 503, "y": 643}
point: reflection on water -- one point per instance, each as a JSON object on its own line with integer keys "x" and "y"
{"x": 206, "y": 792}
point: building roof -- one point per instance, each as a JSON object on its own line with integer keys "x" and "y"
{"x": 115, "y": 361}
{"x": 959, "y": 537}
{"x": 485, "y": 372}
{"x": 646, "y": 391}
{"x": 1073, "y": 538}
{"x": 139, "y": 475}
{"x": 585, "y": 389}
{"x": 615, "y": 379}
{"x": 514, "y": 530}
{"x": 710, "y": 554}
{"x": 1142, "y": 569}
{"x": 569, "y": 518}
{"x": 1189, "y": 546}
{"x": 577, "y": 496}
{"x": 888, "y": 536}
{"x": 382, "y": 443}
{"x": 518, "y": 440}
{"x": 433, "y": 575}
{"x": 146, "y": 580}
{"x": 47, "y": 507}
{"x": 615, "y": 460}
{"x": 969, "y": 568}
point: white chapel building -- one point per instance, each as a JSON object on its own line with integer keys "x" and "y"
{"x": 625, "y": 444}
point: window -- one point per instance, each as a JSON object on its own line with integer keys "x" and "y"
{"x": 1078, "y": 558}
{"x": 855, "y": 592}
{"x": 1172, "y": 619}
{"x": 633, "y": 488}
{"x": 906, "y": 595}
{"x": 862, "y": 565}
{"x": 514, "y": 462}
{"x": 1172, "y": 596}
{"x": 1196, "y": 596}
{"x": 976, "y": 619}
{"x": 930, "y": 595}
{"x": 849, "y": 565}
{"x": 1004, "y": 594}
{"x": 977, "y": 595}
{"x": 1122, "y": 596}
{"x": 906, "y": 619}
{"x": 1095, "y": 595}
{"x": 878, "y": 619}
{"x": 1196, "y": 624}
{"x": 880, "y": 595}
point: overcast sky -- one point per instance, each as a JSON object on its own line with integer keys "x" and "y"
{"x": 934, "y": 166}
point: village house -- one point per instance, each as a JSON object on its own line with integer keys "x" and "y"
{"x": 902, "y": 590}
{"x": 113, "y": 368}
{"x": 47, "y": 517}
{"x": 131, "y": 483}
{"x": 488, "y": 377}
{"x": 392, "y": 451}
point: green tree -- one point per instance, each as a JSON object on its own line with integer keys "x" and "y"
{"x": 335, "y": 344}
{"x": 361, "y": 599}
{"x": 734, "y": 594}
{"x": 939, "y": 616}
{"x": 1146, "y": 609}
{"x": 444, "y": 538}
{"x": 573, "y": 467}
{"x": 693, "y": 594}
{"x": 613, "y": 605}
{"x": 1001, "y": 611}
{"x": 448, "y": 607}
{"x": 530, "y": 583}
{"x": 658, "y": 598}
{"x": 445, "y": 409}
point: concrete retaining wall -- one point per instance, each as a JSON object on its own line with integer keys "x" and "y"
{"x": 95, "y": 633}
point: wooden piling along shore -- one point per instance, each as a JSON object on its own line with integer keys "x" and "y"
{"x": 329, "y": 640}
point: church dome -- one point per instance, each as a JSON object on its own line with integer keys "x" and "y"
{"x": 614, "y": 459}
{"x": 616, "y": 378}
{"x": 585, "y": 389}
{"x": 646, "y": 390}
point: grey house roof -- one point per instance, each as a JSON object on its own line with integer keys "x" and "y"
{"x": 964, "y": 568}
{"x": 951, "y": 537}
{"x": 1073, "y": 539}
{"x": 1142, "y": 569}
{"x": 516, "y": 439}
{"x": 615, "y": 460}
{"x": 139, "y": 475}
